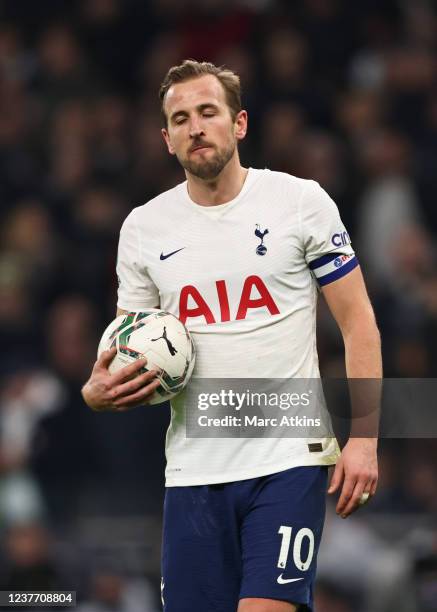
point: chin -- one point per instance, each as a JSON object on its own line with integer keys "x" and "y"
{"x": 205, "y": 172}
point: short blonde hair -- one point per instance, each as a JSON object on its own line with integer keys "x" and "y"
{"x": 191, "y": 69}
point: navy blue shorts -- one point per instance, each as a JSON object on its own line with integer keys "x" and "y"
{"x": 251, "y": 538}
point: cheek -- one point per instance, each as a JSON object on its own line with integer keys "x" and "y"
{"x": 175, "y": 142}
{"x": 224, "y": 133}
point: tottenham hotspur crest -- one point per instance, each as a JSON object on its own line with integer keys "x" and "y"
{"x": 261, "y": 249}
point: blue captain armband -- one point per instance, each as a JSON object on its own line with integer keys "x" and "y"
{"x": 330, "y": 268}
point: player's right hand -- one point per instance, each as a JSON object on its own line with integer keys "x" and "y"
{"x": 119, "y": 391}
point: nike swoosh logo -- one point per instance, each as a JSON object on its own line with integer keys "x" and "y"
{"x": 162, "y": 256}
{"x": 282, "y": 580}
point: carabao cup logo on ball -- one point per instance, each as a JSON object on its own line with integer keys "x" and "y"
{"x": 162, "y": 339}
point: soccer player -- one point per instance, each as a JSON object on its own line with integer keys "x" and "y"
{"x": 238, "y": 255}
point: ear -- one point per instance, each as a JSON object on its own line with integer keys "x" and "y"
{"x": 240, "y": 125}
{"x": 166, "y": 137}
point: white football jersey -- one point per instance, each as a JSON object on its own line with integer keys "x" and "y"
{"x": 243, "y": 277}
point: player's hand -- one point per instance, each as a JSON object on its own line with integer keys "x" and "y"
{"x": 119, "y": 391}
{"x": 357, "y": 469}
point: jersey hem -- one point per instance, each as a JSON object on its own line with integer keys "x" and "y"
{"x": 330, "y": 459}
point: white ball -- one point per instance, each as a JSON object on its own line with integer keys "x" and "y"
{"x": 162, "y": 339}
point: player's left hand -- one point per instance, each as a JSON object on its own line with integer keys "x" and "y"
{"x": 357, "y": 469}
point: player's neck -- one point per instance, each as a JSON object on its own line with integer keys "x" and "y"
{"x": 220, "y": 190}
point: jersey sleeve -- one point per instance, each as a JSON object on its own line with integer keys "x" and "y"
{"x": 136, "y": 289}
{"x": 326, "y": 243}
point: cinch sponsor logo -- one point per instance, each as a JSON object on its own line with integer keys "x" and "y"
{"x": 341, "y": 239}
{"x": 254, "y": 294}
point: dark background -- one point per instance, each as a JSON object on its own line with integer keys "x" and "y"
{"x": 341, "y": 92}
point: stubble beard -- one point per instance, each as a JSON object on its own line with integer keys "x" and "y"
{"x": 209, "y": 169}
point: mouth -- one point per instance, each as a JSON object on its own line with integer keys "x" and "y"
{"x": 199, "y": 148}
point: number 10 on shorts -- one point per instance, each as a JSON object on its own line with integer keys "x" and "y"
{"x": 286, "y": 533}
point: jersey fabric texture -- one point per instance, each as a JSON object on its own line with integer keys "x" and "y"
{"x": 255, "y": 538}
{"x": 243, "y": 277}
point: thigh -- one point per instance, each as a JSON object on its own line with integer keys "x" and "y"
{"x": 280, "y": 536}
{"x": 201, "y": 554}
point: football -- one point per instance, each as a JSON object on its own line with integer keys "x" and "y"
{"x": 162, "y": 339}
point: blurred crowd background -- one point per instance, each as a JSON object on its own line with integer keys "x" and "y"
{"x": 341, "y": 92}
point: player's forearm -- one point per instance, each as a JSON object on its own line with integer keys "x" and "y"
{"x": 362, "y": 344}
{"x": 364, "y": 372}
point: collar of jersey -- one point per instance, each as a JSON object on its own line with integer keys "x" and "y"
{"x": 220, "y": 209}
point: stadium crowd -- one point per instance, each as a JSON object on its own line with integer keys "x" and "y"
{"x": 341, "y": 92}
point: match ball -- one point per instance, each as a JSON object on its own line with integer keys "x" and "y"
{"x": 162, "y": 339}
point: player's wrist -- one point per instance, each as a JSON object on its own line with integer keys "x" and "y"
{"x": 369, "y": 444}
{"x": 89, "y": 397}
{"x": 85, "y": 394}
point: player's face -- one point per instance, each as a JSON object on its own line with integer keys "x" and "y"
{"x": 200, "y": 130}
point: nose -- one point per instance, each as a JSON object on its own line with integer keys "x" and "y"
{"x": 196, "y": 129}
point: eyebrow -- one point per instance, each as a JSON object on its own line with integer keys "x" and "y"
{"x": 200, "y": 108}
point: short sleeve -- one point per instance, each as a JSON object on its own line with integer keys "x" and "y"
{"x": 135, "y": 287}
{"x": 326, "y": 243}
